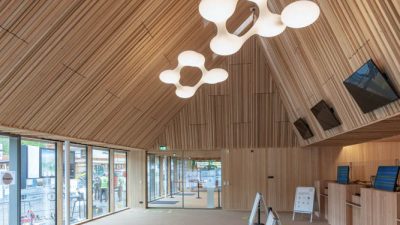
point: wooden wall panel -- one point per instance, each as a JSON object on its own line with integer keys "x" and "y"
{"x": 365, "y": 159}
{"x": 244, "y": 111}
{"x": 137, "y": 179}
{"x": 245, "y": 172}
{"x": 310, "y": 64}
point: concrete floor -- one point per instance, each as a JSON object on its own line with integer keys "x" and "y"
{"x": 190, "y": 216}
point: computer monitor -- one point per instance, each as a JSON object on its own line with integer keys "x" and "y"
{"x": 343, "y": 174}
{"x": 386, "y": 178}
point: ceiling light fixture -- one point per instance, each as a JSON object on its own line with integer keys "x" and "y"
{"x": 197, "y": 60}
{"x": 298, "y": 14}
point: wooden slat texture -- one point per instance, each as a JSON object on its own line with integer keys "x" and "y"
{"x": 89, "y": 69}
{"x": 244, "y": 111}
{"x": 365, "y": 159}
{"x": 379, "y": 207}
{"x": 245, "y": 172}
{"x": 310, "y": 64}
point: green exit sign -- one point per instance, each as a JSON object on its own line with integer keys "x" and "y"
{"x": 163, "y": 148}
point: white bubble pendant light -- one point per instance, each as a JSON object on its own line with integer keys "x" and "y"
{"x": 192, "y": 59}
{"x": 298, "y": 14}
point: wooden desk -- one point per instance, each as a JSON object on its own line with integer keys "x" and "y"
{"x": 379, "y": 207}
{"x": 339, "y": 197}
{"x": 355, "y": 207}
{"x": 321, "y": 188}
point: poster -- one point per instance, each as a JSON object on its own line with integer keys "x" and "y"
{"x": 33, "y": 162}
{"x": 304, "y": 200}
{"x": 47, "y": 163}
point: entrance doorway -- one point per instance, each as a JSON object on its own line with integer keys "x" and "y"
{"x": 183, "y": 182}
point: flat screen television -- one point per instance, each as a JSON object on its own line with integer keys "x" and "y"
{"x": 325, "y": 115}
{"x": 386, "y": 178}
{"x": 343, "y": 173}
{"x": 370, "y": 88}
{"x": 303, "y": 128}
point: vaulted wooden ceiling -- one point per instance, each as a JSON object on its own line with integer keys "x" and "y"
{"x": 89, "y": 69}
{"x": 309, "y": 65}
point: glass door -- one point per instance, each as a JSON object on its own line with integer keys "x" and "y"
{"x": 202, "y": 183}
{"x": 38, "y": 182}
{"x": 4, "y": 189}
{"x": 178, "y": 182}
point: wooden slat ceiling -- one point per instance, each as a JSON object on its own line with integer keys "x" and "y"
{"x": 310, "y": 65}
{"x": 246, "y": 111}
{"x": 89, "y": 69}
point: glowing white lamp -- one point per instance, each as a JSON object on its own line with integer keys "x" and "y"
{"x": 300, "y": 14}
{"x": 170, "y": 77}
{"x": 217, "y": 10}
{"x": 192, "y": 59}
{"x": 215, "y": 76}
{"x": 269, "y": 25}
{"x": 226, "y": 44}
{"x": 185, "y": 91}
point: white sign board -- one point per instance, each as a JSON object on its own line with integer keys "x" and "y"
{"x": 258, "y": 200}
{"x": 7, "y": 177}
{"x": 272, "y": 218}
{"x": 304, "y": 200}
{"x": 33, "y": 162}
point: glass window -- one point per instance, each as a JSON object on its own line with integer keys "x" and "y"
{"x": 78, "y": 183}
{"x": 157, "y": 178}
{"x": 4, "y": 189}
{"x": 120, "y": 180}
{"x": 100, "y": 179}
{"x": 38, "y": 182}
{"x": 151, "y": 177}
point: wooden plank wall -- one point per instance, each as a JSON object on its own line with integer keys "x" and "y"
{"x": 245, "y": 172}
{"x": 310, "y": 64}
{"x": 137, "y": 179}
{"x": 365, "y": 159}
{"x": 243, "y": 112}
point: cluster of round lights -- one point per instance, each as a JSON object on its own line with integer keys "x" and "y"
{"x": 298, "y": 14}
{"x": 197, "y": 60}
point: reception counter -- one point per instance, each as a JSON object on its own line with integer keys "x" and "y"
{"x": 354, "y": 204}
{"x": 379, "y": 207}
{"x": 339, "y": 195}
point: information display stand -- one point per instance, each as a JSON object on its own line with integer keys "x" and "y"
{"x": 304, "y": 201}
{"x": 272, "y": 218}
{"x": 256, "y": 210}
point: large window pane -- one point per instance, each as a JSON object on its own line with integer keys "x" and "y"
{"x": 120, "y": 180}
{"x": 38, "y": 182}
{"x": 4, "y": 189}
{"x": 78, "y": 183}
{"x": 101, "y": 184}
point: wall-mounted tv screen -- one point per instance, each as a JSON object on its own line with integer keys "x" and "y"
{"x": 386, "y": 178}
{"x": 343, "y": 174}
{"x": 325, "y": 115}
{"x": 370, "y": 88}
{"x": 303, "y": 128}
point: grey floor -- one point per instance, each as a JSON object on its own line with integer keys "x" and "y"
{"x": 190, "y": 216}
